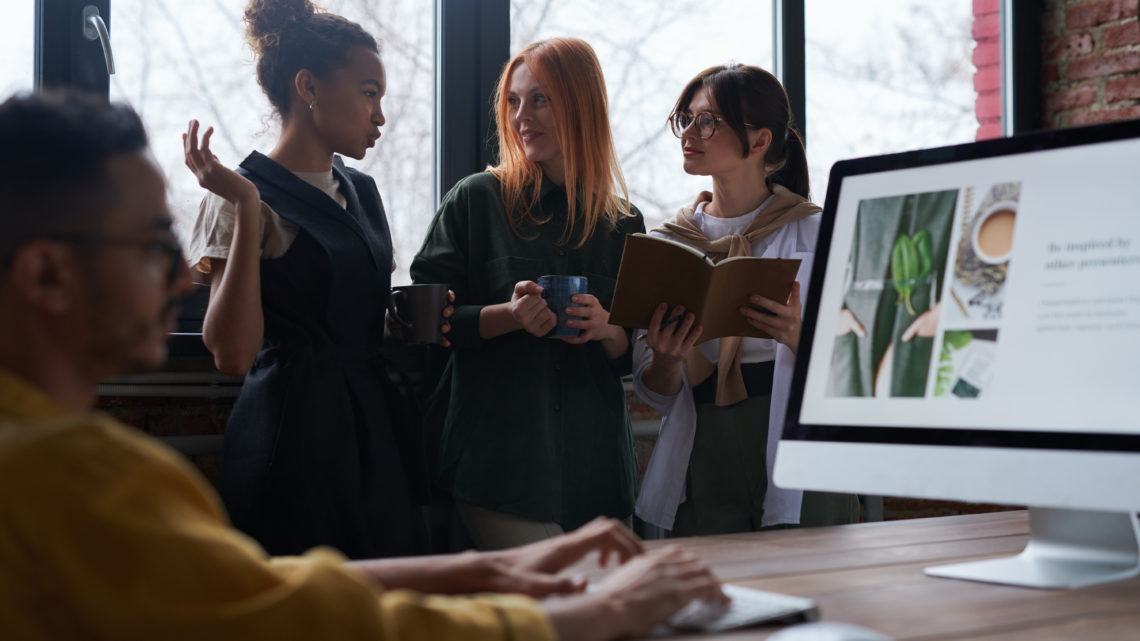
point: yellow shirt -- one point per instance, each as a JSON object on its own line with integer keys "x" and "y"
{"x": 105, "y": 534}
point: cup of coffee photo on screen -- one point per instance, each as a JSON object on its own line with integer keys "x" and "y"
{"x": 993, "y": 233}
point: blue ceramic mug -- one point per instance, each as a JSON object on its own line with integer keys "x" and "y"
{"x": 557, "y": 290}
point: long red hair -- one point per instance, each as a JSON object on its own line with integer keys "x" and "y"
{"x": 571, "y": 77}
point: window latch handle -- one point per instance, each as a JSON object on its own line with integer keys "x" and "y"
{"x": 95, "y": 29}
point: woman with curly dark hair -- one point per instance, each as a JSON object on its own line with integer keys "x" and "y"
{"x": 297, "y": 250}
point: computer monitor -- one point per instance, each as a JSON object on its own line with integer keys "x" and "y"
{"x": 972, "y": 333}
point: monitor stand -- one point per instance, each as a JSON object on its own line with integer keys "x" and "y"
{"x": 1066, "y": 549}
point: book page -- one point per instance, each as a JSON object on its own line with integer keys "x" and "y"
{"x": 733, "y": 281}
{"x": 654, "y": 270}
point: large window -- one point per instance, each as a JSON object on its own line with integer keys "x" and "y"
{"x": 880, "y": 77}
{"x": 181, "y": 60}
{"x": 649, "y": 51}
{"x": 886, "y": 76}
{"x": 17, "y": 48}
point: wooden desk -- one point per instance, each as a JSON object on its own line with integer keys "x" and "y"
{"x": 871, "y": 574}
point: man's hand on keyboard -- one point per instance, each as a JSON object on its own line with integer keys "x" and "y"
{"x": 651, "y": 587}
{"x": 608, "y": 537}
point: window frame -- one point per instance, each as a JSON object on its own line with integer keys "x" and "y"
{"x": 1022, "y": 96}
{"x": 789, "y": 41}
{"x": 472, "y": 43}
{"x": 63, "y": 57}
{"x": 473, "y": 40}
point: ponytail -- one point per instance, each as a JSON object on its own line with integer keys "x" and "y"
{"x": 792, "y": 170}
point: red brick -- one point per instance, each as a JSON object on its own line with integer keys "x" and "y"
{"x": 1122, "y": 35}
{"x": 1130, "y": 10}
{"x": 989, "y": 131}
{"x": 987, "y": 53}
{"x": 1049, "y": 73}
{"x": 1122, "y": 89}
{"x": 1069, "y": 46}
{"x": 988, "y": 105}
{"x": 1094, "y": 13}
{"x": 988, "y": 77}
{"x": 1098, "y": 66}
{"x": 1067, "y": 99}
{"x": 987, "y": 26}
{"x": 1053, "y": 23}
{"x": 1104, "y": 115}
{"x": 983, "y": 7}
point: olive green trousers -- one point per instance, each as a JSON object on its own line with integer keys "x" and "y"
{"x": 728, "y": 476}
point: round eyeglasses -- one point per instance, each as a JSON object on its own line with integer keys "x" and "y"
{"x": 704, "y": 121}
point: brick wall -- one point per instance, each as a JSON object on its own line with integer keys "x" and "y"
{"x": 1091, "y": 70}
{"x": 1090, "y": 66}
{"x": 987, "y": 61}
{"x": 161, "y": 416}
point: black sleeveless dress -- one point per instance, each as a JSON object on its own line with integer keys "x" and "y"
{"x": 313, "y": 455}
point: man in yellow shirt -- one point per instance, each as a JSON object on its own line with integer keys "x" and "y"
{"x": 105, "y": 534}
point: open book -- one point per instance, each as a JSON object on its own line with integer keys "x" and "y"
{"x": 655, "y": 270}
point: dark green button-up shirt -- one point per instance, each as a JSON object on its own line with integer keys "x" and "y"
{"x": 531, "y": 426}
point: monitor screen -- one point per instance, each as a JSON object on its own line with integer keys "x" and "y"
{"x": 972, "y": 326}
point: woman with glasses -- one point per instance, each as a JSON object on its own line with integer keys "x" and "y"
{"x": 298, "y": 254}
{"x": 723, "y": 401}
{"x": 535, "y": 434}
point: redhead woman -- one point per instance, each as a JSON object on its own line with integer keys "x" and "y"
{"x": 535, "y": 432}
{"x": 298, "y": 254}
{"x": 723, "y": 400}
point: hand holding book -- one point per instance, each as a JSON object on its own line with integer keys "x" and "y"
{"x": 655, "y": 270}
{"x": 781, "y": 322}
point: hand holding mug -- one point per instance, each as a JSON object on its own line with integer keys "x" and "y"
{"x": 418, "y": 313}
{"x": 530, "y": 310}
{"x": 589, "y": 318}
{"x": 560, "y": 292}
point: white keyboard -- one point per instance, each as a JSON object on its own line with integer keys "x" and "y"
{"x": 748, "y": 607}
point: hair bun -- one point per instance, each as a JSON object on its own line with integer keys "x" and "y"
{"x": 266, "y": 19}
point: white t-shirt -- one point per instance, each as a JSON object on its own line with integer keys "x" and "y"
{"x": 214, "y": 229}
{"x": 752, "y": 350}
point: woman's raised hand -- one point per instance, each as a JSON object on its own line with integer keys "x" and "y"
{"x": 782, "y": 322}
{"x": 211, "y": 173}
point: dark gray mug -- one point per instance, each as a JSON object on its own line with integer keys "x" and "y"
{"x": 418, "y": 310}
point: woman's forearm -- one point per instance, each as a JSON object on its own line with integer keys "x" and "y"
{"x": 663, "y": 378}
{"x": 615, "y": 343}
{"x": 464, "y": 573}
{"x": 496, "y": 320}
{"x": 234, "y": 323}
{"x": 585, "y": 617}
